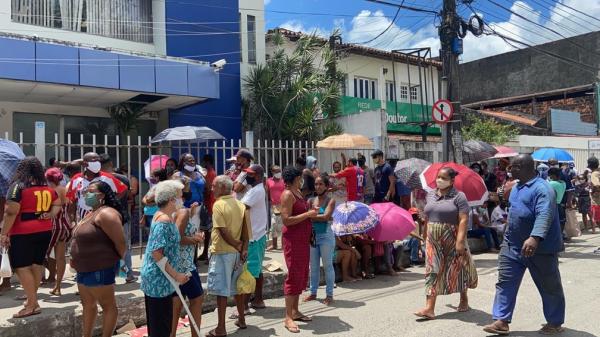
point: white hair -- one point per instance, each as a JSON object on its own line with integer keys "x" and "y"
{"x": 166, "y": 191}
{"x": 224, "y": 182}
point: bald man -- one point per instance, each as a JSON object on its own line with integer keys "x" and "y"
{"x": 532, "y": 241}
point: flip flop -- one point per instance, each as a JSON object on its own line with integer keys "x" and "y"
{"x": 239, "y": 325}
{"x": 494, "y": 330}
{"x": 424, "y": 317}
{"x": 24, "y": 313}
{"x": 309, "y": 298}
{"x": 293, "y": 329}
{"x": 236, "y": 316}
{"x": 55, "y": 292}
{"x": 303, "y": 318}
{"x": 258, "y": 307}
{"x": 551, "y": 330}
{"x": 20, "y": 298}
{"x": 459, "y": 309}
{"x": 328, "y": 300}
{"x": 212, "y": 333}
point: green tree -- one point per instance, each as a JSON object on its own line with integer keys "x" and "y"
{"x": 287, "y": 94}
{"x": 126, "y": 116}
{"x": 488, "y": 130}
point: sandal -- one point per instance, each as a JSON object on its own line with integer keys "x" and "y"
{"x": 236, "y": 316}
{"x": 328, "y": 300}
{"x": 240, "y": 325}
{"x": 24, "y": 313}
{"x": 309, "y": 298}
{"x": 55, "y": 292}
{"x": 303, "y": 318}
{"x": 292, "y": 329}
{"x": 463, "y": 309}
{"x": 551, "y": 329}
{"x": 212, "y": 333}
{"x": 494, "y": 329}
{"x": 424, "y": 316}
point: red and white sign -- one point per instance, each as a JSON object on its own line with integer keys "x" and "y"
{"x": 442, "y": 111}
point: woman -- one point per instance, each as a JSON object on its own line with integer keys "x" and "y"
{"x": 171, "y": 167}
{"x": 185, "y": 264}
{"x": 150, "y": 207}
{"x": 161, "y": 257}
{"x": 347, "y": 257}
{"x": 449, "y": 267}
{"x": 97, "y": 247}
{"x": 340, "y": 195}
{"x": 193, "y": 191}
{"x": 323, "y": 244}
{"x": 61, "y": 229}
{"x": 297, "y": 228}
{"x": 30, "y": 206}
{"x": 209, "y": 199}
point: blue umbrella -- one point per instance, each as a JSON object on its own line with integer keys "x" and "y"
{"x": 547, "y": 153}
{"x": 353, "y": 218}
{"x": 10, "y": 156}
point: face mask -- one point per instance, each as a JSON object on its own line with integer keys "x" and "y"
{"x": 178, "y": 203}
{"x": 277, "y": 175}
{"x": 91, "y": 200}
{"x": 509, "y": 174}
{"x": 476, "y": 170}
{"x": 442, "y": 184}
{"x": 94, "y": 166}
{"x": 153, "y": 181}
{"x": 250, "y": 180}
{"x": 302, "y": 183}
{"x": 189, "y": 168}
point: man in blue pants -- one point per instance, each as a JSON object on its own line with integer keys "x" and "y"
{"x": 533, "y": 240}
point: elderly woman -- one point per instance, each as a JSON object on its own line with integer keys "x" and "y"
{"x": 449, "y": 267}
{"x": 162, "y": 254}
{"x": 30, "y": 207}
{"x": 296, "y": 216}
{"x": 97, "y": 246}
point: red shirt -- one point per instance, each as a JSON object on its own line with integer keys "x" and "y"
{"x": 209, "y": 197}
{"x": 34, "y": 201}
{"x": 276, "y": 188}
{"x": 78, "y": 185}
{"x": 351, "y": 175}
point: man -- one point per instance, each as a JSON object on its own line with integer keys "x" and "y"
{"x": 256, "y": 203}
{"x": 369, "y": 191}
{"x": 593, "y": 165}
{"x": 532, "y": 241}
{"x": 209, "y": 199}
{"x": 107, "y": 166}
{"x": 275, "y": 187}
{"x": 229, "y": 250}
{"x": 559, "y": 187}
{"x": 354, "y": 177}
{"x": 385, "y": 181}
{"x": 77, "y": 187}
{"x": 243, "y": 160}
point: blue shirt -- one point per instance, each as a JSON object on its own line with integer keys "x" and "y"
{"x": 382, "y": 180}
{"x": 533, "y": 212}
{"x": 165, "y": 236}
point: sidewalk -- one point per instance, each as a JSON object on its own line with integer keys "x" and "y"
{"x": 61, "y": 316}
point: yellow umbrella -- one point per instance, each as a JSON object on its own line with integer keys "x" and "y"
{"x": 345, "y": 141}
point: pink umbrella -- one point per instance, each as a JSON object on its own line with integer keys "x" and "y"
{"x": 153, "y": 163}
{"x": 395, "y": 223}
{"x": 505, "y": 152}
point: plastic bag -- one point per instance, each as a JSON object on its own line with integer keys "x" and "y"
{"x": 572, "y": 225}
{"x": 246, "y": 282}
{"x": 5, "y": 270}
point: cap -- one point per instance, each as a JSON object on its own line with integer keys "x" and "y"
{"x": 245, "y": 154}
{"x": 376, "y": 153}
{"x": 413, "y": 211}
{"x": 232, "y": 159}
{"x": 54, "y": 174}
{"x": 255, "y": 169}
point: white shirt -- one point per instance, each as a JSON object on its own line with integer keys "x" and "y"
{"x": 497, "y": 217}
{"x": 256, "y": 200}
{"x": 241, "y": 179}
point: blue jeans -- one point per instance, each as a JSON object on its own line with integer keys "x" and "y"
{"x": 323, "y": 250}
{"x": 413, "y": 244}
{"x": 127, "y": 257}
{"x": 489, "y": 235}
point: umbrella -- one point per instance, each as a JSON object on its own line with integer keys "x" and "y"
{"x": 547, "y": 153}
{"x": 10, "y": 156}
{"x": 505, "y": 152}
{"x": 197, "y": 133}
{"x": 476, "y": 150}
{"x": 345, "y": 141}
{"x": 408, "y": 171}
{"x": 153, "y": 163}
{"x": 395, "y": 223}
{"x": 467, "y": 181}
{"x": 353, "y": 218}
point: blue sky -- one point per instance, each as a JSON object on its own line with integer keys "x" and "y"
{"x": 360, "y": 21}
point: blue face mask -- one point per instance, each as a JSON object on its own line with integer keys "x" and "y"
{"x": 91, "y": 200}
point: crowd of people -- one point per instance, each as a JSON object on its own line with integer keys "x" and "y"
{"x": 84, "y": 208}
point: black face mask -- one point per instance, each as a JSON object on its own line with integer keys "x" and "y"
{"x": 250, "y": 180}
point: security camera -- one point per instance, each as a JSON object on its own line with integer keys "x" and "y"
{"x": 218, "y": 65}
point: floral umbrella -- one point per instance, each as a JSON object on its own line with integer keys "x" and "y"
{"x": 353, "y": 218}
{"x": 408, "y": 171}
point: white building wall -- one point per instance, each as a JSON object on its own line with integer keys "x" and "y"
{"x": 256, "y": 9}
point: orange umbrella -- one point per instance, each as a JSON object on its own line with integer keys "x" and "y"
{"x": 345, "y": 141}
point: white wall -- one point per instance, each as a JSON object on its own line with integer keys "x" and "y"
{"x": 256, "y": 9}
{"x": 158, "y": 47}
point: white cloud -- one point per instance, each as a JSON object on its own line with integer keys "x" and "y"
{"x": 298, "y": 26}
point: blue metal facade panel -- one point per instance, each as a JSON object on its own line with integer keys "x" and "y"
{"x": 20, "y": 50}
{"x": 57, "y": 64}
{"x": 99, "y": 68}
{"x": 569, "y": 122}
{"x": 203, "y": 81}
{"x": 136, "y": 73}
{"x": 223, "y": 114}
{"x": 171, "y": 77}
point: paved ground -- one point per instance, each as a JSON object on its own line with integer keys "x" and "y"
{"x": 384, "y": 306}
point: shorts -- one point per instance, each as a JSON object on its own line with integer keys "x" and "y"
{"x": 276, "y": 225}
{"x": 192, "y": 289}
{"x": 596, "y": 213}
{"x": 256, "y": 255}
{"x": 100, "y": 278}
{"x": 224, "y": 269}
{"x": 28, "y": 249}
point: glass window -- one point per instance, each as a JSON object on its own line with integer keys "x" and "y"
{"x": 251, "y": 39}
{"x": 404, "y": 93}
{"x": 367, "y": 88}
{"x": 355, "y": 88}
{"x": 373, "y": 96}
{"x": 390, "y": 91}
{"x": 414, "y": 94}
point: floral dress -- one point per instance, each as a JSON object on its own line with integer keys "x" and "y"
{"x": 165, "y": 236}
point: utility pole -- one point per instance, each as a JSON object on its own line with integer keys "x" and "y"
{"x": 451, "y": 48}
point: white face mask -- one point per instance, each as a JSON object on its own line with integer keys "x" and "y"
{"x": 189, "y": 168}
{"x": 94, "y": 166}
{"x": 442, "y": 184}
{"x": 277, "y": 175}
{"x": 508, "y": 174}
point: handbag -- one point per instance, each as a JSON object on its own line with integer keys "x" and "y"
{"x": 246, "y": 282}
{"x": 5, "y": 270}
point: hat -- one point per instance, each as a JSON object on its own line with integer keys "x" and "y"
{"x": 54, "y": 175}
{"x": 376, "y": 153}
{"x": 413, "y": 211}
{"x": 255, "y": 169}
{"x": 232, "y": 159}
{"x": 245, "y": 154}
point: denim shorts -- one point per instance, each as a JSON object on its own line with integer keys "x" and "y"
{"x": 223, "y": 271}
{"x": 100, "y": 278}
{"x": 193, "y": 288}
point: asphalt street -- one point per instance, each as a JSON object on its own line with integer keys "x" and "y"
{"x": 384, "y": 306}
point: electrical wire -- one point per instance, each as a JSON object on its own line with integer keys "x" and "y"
{"x": 569, "y": 16}
{"x": 575, "y": 10}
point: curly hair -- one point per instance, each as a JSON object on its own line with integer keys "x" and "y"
{"x": 290, "y": 174}
{"x": 181, "y": 164}
{"x": 30, "y": 172}
{"x": 110, "y": 198}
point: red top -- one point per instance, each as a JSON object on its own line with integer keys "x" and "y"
{"x": 34, "y": 201}
{"x": 351, "y": 175}
{"x": 209, "y": 197}
{"x": 276, "y": 188}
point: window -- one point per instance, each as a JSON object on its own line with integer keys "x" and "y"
{"x": 390, "y": 91}
{"x": 119, "y": 19}
{"x": 365, "y": 88}
{"x": 240, "y": 36}
{"x": 404, "y": 93}
{"x": 251, "y": 39}
{"x": 414, "y": 93}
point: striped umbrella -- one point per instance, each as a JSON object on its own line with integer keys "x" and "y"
{"x": 409, "y": 170}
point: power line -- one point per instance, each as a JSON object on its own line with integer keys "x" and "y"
{"x": 410, "y": 8}
{"x": 548, "y": 19}
{"x": 567, "y": 17}
{"x": 385, "y": 30}
{"x": 577, "y": 11}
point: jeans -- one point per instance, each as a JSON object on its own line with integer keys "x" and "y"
{"x": 323, "y": 250}
{"x": 127, "y": 257}
{"x": 413, "y": 244}
{"x": 489, "y": 235}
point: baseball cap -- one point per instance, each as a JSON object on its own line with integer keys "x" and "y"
{"x": 255, "y": 169}
{"x": 245, "y": 154}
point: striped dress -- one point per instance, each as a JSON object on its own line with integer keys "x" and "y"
{"x": 61, "y": 228}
